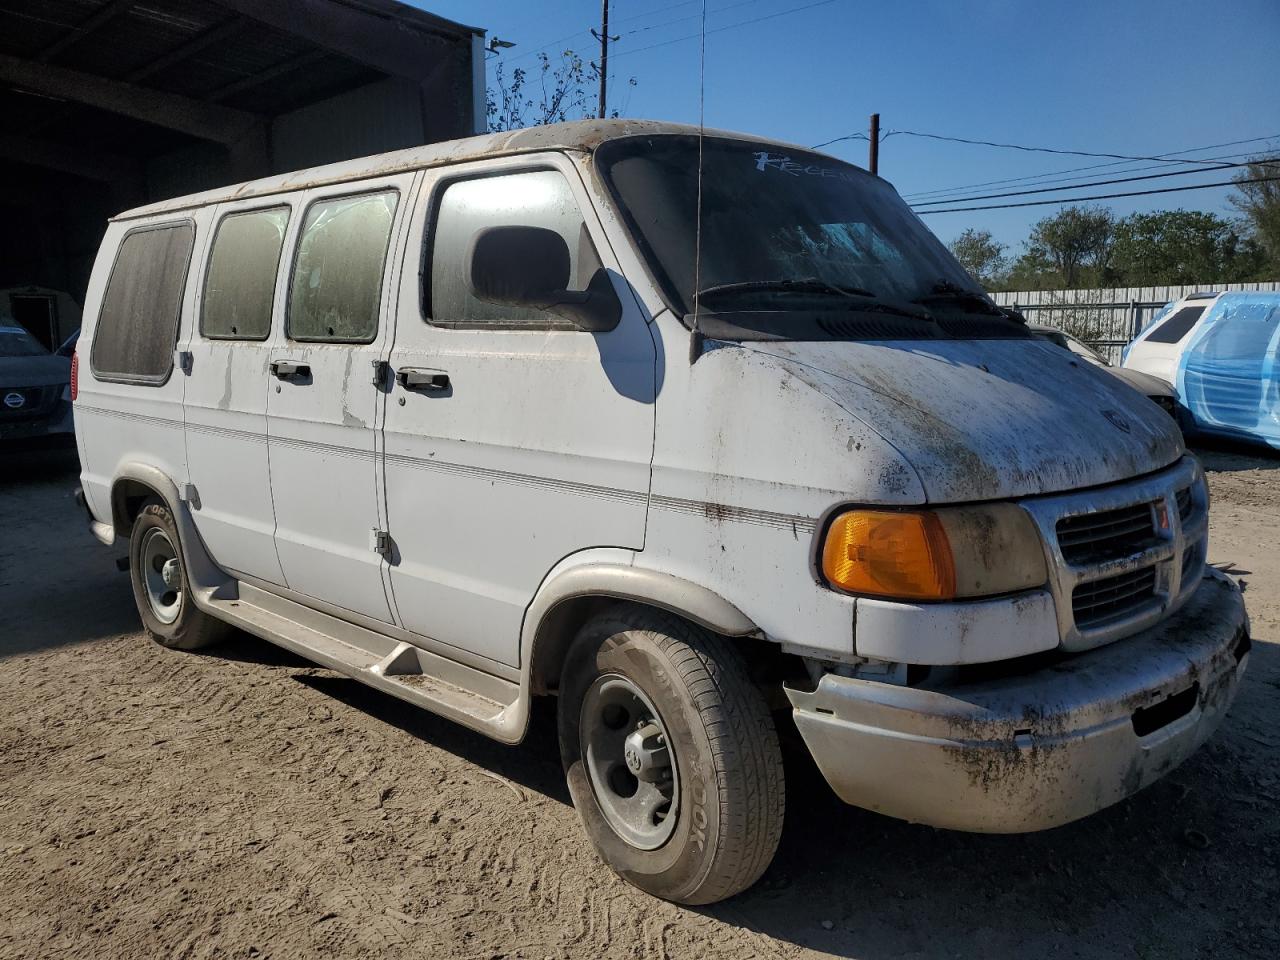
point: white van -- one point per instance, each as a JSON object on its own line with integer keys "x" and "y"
{"x": 1155, "y": 350}
{"x": 506, "y": 417}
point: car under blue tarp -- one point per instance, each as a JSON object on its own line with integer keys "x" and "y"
{"x": 1229, "y": 369}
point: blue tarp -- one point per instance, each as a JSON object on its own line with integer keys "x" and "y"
{"x": 1229, "y": 368}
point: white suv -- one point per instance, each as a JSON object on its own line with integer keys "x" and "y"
{"x": 511, "y": 416}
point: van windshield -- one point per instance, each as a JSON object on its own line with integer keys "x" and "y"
{"x": 786, "y": 233}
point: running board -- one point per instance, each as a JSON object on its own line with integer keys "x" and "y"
{"x": 453, "y": 690}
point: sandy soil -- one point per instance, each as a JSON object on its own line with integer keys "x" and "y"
{"x": 245, "y": 804}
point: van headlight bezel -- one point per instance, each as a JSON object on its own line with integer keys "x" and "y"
{"x": 932, "y": 554}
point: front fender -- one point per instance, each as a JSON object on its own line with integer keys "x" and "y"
{"x": 563, "y": 603}
{"x": 621, "y": 574}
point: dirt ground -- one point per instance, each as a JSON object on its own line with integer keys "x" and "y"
{"x": 242, "y": 803}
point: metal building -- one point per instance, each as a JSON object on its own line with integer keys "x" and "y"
{"x": 105, "y": 104}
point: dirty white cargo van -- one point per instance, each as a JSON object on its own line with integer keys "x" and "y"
{"x": 500, "y": 418}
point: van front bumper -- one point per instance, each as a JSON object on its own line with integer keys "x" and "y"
{"x": 1032, "y": 751}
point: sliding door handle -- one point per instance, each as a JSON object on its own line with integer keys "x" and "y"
{"x": 289, "y": 370}
{"x": 431, "y": 381}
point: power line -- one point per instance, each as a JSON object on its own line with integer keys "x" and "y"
{"x": 694, "y": 16}
{"x": 1094, "y": 183}
{"x": 1018, "y": 146}
{"x": 511, "y": 58}
{"x": 923, "y": 196}
{"x": 1043, "y": 177}
{"x": 727, "y": 26}
{"x": 851, "y": 136}
{"x": 1102, "y": 196}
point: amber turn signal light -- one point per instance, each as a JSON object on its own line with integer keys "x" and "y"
{"x": 886, "y": 553}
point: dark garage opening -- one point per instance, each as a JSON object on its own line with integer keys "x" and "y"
{"x": 107, "y": 104}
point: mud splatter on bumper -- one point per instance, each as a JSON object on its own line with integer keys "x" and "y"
{"x": 1033, "y": 751}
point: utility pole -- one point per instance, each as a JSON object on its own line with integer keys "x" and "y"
{"x": 873, "y": 145}
{"x": 604, "y": 54}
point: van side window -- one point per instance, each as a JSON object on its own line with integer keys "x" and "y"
{"x": 240, "y": 283}
{"x": 538, "y": 198}
{"x": 1176, "y": 327}
{"x": 138, "y": 323}
{"x": 337, "y": 274}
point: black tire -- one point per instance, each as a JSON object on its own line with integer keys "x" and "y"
{"x": 727, "y": 768}
{"x": 190, "y": 628}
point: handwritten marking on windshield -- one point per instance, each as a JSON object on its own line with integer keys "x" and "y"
{"x": 777, "y": 161}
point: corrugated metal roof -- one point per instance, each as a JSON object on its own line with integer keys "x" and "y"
{"x": 238, "y": 54}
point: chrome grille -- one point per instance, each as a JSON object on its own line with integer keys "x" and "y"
{"x": 1183, "y": 497}
{"x": 1119, "y": 596}
{"x": 1097, "y": 537}
{"x": 1191, "y": 563}
{"x": 1124, "y": 556}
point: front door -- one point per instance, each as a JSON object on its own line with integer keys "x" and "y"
{"x": 323, "y": 404}
{"x": 512, "y": 439}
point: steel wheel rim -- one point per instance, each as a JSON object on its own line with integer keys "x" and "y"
{"x": 630, "y": 762}
{"x": 161, "y": 575}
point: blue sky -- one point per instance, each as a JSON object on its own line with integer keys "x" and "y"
{"x": 1137, "y": 77}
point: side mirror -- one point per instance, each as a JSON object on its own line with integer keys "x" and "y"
{"x": 529, "y": 266}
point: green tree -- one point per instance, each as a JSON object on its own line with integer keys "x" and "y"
{"x": 982, "y": 255}
{"x": 1180, "y": 246}
{"x": 1072, "y": 247}
{"x": 1260, "y": 203}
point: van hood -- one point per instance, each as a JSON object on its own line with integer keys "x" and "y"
{"x": 44, "y": 371}
{"x": 989, "y": 419}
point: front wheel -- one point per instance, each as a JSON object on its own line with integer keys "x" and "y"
{"x": 671, "y": 756}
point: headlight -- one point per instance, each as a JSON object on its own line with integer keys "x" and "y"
{"x": 942, "y": 554}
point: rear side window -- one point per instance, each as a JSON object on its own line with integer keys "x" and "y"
{"x": 138, "y": 323}
{"x": 1176, "y": 327}
{"x": 336, "y": 289}
{"x": 538, "y": 198}
{"x": 240, "y": 284}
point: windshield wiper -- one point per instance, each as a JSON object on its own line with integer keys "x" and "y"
{"x": 945, "y": 291}
{"x": 792, "y": 285}
{"x": 860, "y": 299}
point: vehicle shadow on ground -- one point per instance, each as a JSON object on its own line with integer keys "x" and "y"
{"x": 1183, "y": 868}
{"x": 534, "y": 764}
{"x": 1165, "y": 873}
{"x": 1230, "y": 456}
{"x": 27, "y": 465}
{"x": 58, "y": 586}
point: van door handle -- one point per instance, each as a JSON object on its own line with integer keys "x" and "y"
{"x": 428, "y": 380}
{"x": 288, "y": 370}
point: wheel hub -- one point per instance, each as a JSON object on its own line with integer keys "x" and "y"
{"x": 646, "y": 753}
{"x": 169, "y": 572}
{"x": 630, "y": 763}
{"x": 161, "y": 572}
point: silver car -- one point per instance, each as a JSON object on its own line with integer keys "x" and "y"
{"x": 1158, "y": 391}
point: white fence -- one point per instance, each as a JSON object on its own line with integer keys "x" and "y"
{"x": 1108, "y": 318}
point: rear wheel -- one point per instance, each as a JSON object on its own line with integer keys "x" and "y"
{"x": 671, "y": 755}
{"x": 160, "y": 586}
